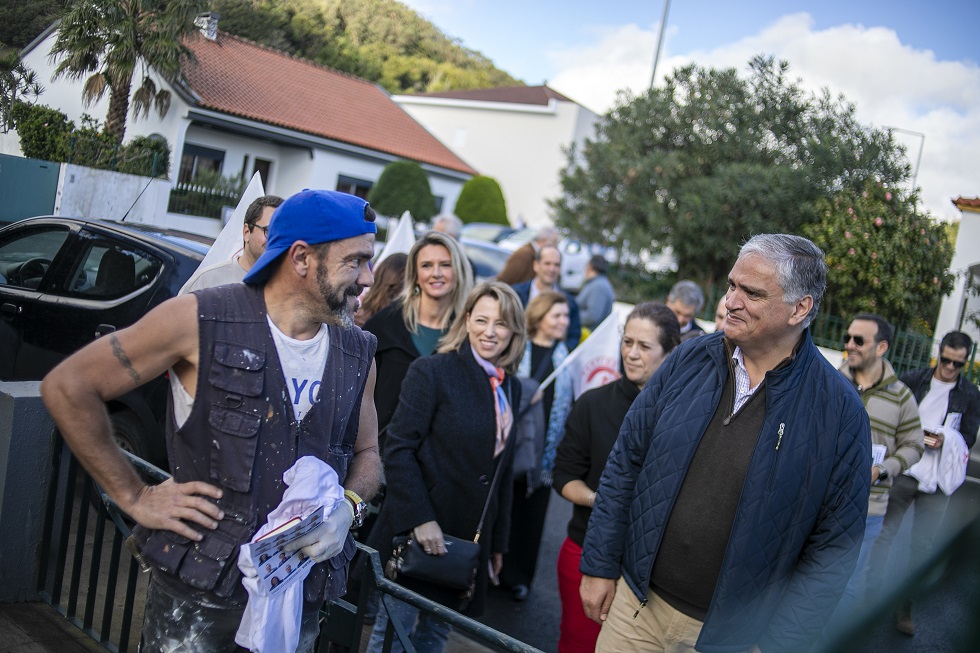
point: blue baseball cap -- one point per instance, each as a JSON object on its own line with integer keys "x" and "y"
{"x": 313, "y": 216}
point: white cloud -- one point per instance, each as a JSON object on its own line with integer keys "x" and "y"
{"x": 892, "y": 85}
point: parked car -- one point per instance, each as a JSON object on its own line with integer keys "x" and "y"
{"x": 487, "y": 259}
{"x": 486, "y": 231}
{"x": 574, "y": 256}
{"x": 65, "y": 282}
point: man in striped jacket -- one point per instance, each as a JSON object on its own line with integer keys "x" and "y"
{"x": 896, "y": 434}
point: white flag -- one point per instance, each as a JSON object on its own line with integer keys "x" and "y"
{"x": 400, "y": 239}
{"x": 229, "y": 243}
{"x": 596, "y": 361}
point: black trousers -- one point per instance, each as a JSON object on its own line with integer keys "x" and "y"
{"x": 526, "y": 527}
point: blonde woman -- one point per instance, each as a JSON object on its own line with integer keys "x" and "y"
{"x": 445, "y": 441}
{"x": 437, "y": 280}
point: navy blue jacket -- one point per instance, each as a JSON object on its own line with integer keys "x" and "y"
{"x": 800, "y": 518}
{"x": 523, "y": 291}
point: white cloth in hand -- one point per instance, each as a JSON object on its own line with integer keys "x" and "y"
{"x": 943, "y": 468}
{"x": 327, "y": 539}
{"x": 272, "y": 620}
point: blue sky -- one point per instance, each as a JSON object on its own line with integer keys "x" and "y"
{"x": 517, "y": 36}
{"x": 911, "y": 65}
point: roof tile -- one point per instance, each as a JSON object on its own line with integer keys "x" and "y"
{"x": 236, "y": 76}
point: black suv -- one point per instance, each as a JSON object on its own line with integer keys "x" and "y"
{"x": 65, "y": 282}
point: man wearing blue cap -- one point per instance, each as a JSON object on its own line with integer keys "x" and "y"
{"x": 249, "y": 365}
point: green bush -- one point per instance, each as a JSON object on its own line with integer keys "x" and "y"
{"x": 403, "y": 186}
{"x": 146, "y": 156}
{"x": 47, "y": 134}
{"x": 206, "y": 195}
{"x": 44, "y": 132}
{"x": 481, "y": 200}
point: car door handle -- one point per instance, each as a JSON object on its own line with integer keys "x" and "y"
{"x": 10, "y": 311}
{"x": 103, "y": 329}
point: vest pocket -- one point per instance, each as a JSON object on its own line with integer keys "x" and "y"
{"x": 232, "y": 458}
{"x": 237, "y": 370}
{"x": 209, "y": 564}
{"x": 339, "y": 457}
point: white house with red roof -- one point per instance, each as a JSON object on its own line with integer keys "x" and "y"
{"x": 517, "y": 135}
{"x": 244, "y": 107}
{"x": 958, "y": 307}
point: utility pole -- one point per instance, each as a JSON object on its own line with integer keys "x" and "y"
{"x": 660, "y": 43}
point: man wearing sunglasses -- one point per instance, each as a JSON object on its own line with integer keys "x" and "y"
{"x": 896, "y": 433}
{"x": 945, "y": 399}
{"x": 258, "y": 215}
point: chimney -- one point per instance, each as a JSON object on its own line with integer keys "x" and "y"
{"x": 208, "y": 24}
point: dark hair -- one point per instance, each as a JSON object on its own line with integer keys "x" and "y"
{"x": 538, "y": 252}
{"x": 884, "y": 329}
{"x": 389, "y": 279}
{"x": 956, "y": 340}
{"x": 254, "y": 210}
{"x": 664, "y": 318}
{"x": 599, "y": 264}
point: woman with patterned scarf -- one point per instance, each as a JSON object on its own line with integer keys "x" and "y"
{"x": 547, "y": 317}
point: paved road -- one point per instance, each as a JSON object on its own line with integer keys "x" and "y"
{"x": 944, "y": 615}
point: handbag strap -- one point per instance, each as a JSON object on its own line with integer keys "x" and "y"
{"x": 500, "y": 465}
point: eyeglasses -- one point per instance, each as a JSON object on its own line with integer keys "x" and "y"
{"x": 947, "y": 361}
{"x": 265, "y": 229}
{"x": 858, "y": 340}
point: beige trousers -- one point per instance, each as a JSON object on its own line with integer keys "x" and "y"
{"x": 657, "y": 627}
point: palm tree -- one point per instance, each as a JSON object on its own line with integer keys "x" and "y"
{"x": 107, "y": 41}
{"x": 17, "y": 82}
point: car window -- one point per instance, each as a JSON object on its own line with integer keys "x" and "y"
{"x": 111, "y": 270}
{"x": 25, "y": 256}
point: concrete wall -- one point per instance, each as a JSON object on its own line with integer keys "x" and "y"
{"x": 518, "y": 145}
{"x": 26, "y": 447}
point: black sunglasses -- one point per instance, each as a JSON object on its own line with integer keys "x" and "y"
{"x": 265, "y": 229}
{"x": 946, "y": 361}
{"x": 858, "y": 340}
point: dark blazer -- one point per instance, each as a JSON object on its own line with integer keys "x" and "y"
{"x": 439, "y": 463}
{"x": 523, "y": 291}
{"x": 519, "y": 266}
{"x": 395, "y": 353}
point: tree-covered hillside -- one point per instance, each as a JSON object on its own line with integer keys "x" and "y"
{"x": 380, "y": 40}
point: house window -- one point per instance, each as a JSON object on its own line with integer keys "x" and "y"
{"x": 263, "y": 167}
{"x": 197, "y": 159}
{"x": 439, "y": 201}
{"x": 359, "y": 187}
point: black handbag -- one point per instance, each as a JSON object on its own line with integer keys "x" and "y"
{"x": 456, "y": 569}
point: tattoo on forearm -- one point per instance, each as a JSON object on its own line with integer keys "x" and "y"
{"x": 121, "y": 356}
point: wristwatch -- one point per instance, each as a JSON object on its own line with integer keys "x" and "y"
{"x": 360, "y": 508}
{"x": 882, "y": 473}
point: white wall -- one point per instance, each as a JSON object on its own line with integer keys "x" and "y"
{"x": 965, "y": 257}
{"x": 518, "y": 145}
{"x": 10, "y": 144}
{"x": 65, "y": 95}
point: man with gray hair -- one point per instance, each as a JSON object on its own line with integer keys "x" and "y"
{"x": 448, "y": 224}
{"x": 732, "y": 506}
{"x": 520, "y": 265}
{"x": 686, "y": 299}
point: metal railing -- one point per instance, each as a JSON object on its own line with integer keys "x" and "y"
{"x": 91, "y": 577}
{"x": 206, "y": 201}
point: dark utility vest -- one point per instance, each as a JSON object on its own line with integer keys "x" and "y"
{"x": 241, "y": 436}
